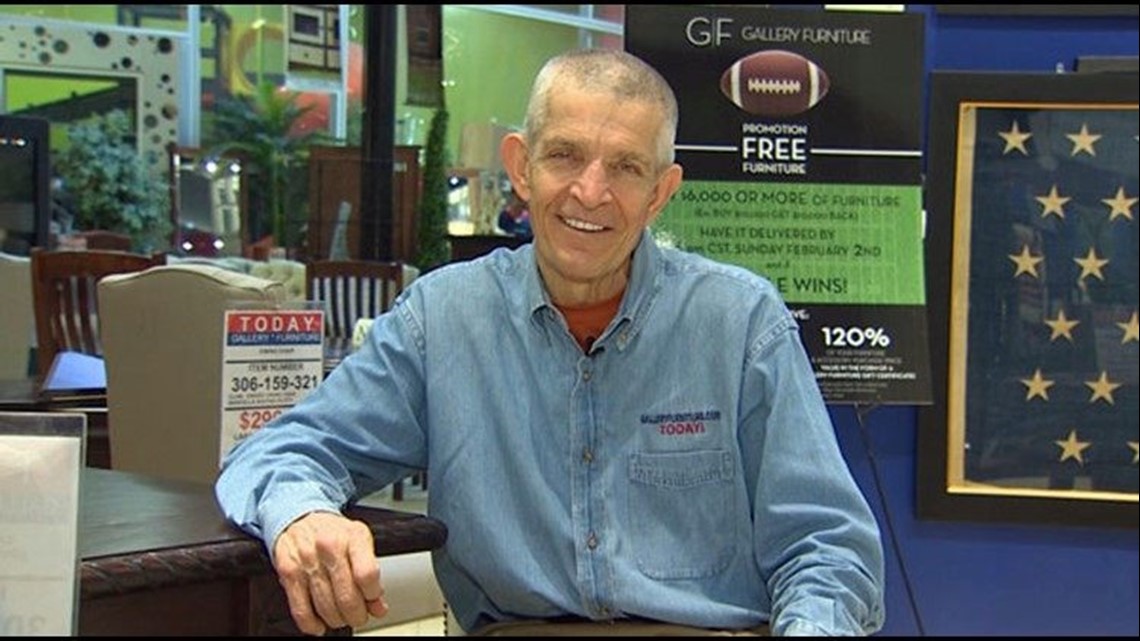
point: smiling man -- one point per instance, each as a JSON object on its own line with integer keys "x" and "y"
{"x": 622, "y": 438}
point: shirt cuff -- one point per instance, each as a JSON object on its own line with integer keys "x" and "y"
{"x": 288, "y": 504}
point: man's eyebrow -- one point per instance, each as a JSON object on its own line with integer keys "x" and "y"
{"x": 635, "y": 156}
{"x": 557, "y": 141}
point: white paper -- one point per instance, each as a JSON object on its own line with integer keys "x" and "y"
{"x": 39, "y": 517}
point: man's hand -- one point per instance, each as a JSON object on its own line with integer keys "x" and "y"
{"x": 327, "y": 566}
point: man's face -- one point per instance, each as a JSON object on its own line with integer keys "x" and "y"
{"x": 593, "y": 184}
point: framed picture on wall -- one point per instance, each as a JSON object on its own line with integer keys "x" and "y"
{"x": 1032, "y": 192}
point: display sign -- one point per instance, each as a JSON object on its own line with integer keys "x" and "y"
{"x": 271, "y": 360}
{"x": 800, "y": 139}
{"x": 41, "y": 458}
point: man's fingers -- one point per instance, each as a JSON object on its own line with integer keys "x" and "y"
{"x": 350, "y": 566}
{"x": 365, "y": 568}
{"x": 301, "y": 606}
{"x": 330, "y": 573}
{"x": 368, "y": 578}
{"x": 324, "y": 596}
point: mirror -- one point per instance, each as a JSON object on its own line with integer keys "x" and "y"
{"x": 207, "y": 202}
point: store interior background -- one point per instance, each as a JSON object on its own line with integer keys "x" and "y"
{"x": 944, "y": 577}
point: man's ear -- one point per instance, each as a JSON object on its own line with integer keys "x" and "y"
{"x": 516, "y": 157}
{"x": 667, "y": 185}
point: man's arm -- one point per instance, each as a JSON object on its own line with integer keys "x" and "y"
{"x": 816, "y": 540}
{"x": 360, "y": 429}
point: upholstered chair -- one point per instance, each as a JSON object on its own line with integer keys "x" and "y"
{"x": 17, "y": 317}
{"x": 163, "y": 334}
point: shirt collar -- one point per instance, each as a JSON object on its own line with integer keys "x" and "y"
{"x": 644, "y": 282}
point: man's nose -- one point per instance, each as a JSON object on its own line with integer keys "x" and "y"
{"x": 592, "y": 186}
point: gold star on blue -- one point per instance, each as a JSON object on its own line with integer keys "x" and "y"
{"x": 1091, "y": 264}
{"x": 1120, "y": 204}
{"x": 1015, "y": 139}
{"x": 1072, "y": 448}
{"x": 1102, "y": 389}
{"x": 1083, "y": 141}
{"x": 1026, "y": 262}
{"x": 1061, "y": 326}
{"x": 1037, "y": 385}
{"x": 1053, "y": 203}
{"x": 1131, "y": 329}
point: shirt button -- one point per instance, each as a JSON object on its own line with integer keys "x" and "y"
{"x": 604, "y": 611}
{"x": 592, "y": 541}
{"x": 587, "y": 455}
{"x": 586, "y": 375}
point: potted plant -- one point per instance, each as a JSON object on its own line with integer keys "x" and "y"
{"x": 433, "y": 248}
{"x": 262, "y": 129}
{"x": 109, "y": 185}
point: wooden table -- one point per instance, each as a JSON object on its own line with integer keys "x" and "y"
{"x": 158, "y": 558}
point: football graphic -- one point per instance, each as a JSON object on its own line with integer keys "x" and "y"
{"x": 774, "y": 83}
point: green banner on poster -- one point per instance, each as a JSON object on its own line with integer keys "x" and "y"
{"x": 818, "y": 243}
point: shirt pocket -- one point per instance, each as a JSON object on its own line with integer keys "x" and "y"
{"x": 679, "y": 505}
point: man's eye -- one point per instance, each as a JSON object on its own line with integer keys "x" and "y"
{"x": 630, "y": 169}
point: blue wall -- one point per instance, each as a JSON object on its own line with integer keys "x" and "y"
{"x": 983, "y": 578}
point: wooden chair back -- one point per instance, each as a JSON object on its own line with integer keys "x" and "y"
{"x": 64, "y": 298}
{"x": 352, "y": 289}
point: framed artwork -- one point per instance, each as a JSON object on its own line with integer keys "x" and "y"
{"x": 1032, "y": 195}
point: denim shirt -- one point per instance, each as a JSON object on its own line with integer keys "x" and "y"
{"x": 684, "y": 470}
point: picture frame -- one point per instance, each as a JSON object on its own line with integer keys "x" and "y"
{"x": 1031, "y": 275}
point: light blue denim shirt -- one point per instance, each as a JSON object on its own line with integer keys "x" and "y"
{"x": 685, "y": 470}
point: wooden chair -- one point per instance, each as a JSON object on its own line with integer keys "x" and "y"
{"x": 351, "y": 290}
{"x": 64, "y": 296}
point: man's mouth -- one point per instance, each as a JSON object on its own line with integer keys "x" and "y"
{"x": 582, "y": 225}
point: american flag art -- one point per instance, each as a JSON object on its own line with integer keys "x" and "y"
{"x": 1047, "y": 203}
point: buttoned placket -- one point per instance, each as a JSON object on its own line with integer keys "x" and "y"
{"x": 587, "y": 508}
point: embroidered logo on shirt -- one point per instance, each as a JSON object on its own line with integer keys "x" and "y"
{"x": 681, "y": 423}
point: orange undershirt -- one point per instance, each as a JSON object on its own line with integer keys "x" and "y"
{"x": 588, "y": 323}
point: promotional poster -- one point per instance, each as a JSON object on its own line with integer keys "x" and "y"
{"x": 800, "y": 139}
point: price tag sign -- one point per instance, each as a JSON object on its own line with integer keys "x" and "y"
{"x": 271, "y": 359}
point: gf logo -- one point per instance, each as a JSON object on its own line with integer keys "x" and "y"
{"x": 702, "y": 32}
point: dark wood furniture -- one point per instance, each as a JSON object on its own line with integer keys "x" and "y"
{"x": 63, "y": 293}
{"x": 335, "y": 177}
{"x": 158, "y": 559}
{"x": 352, "y": 289}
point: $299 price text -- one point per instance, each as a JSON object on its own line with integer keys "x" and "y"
{"x": 255, "y": 419}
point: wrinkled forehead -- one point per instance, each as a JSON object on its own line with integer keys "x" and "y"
{"x": 602, "y": 117}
